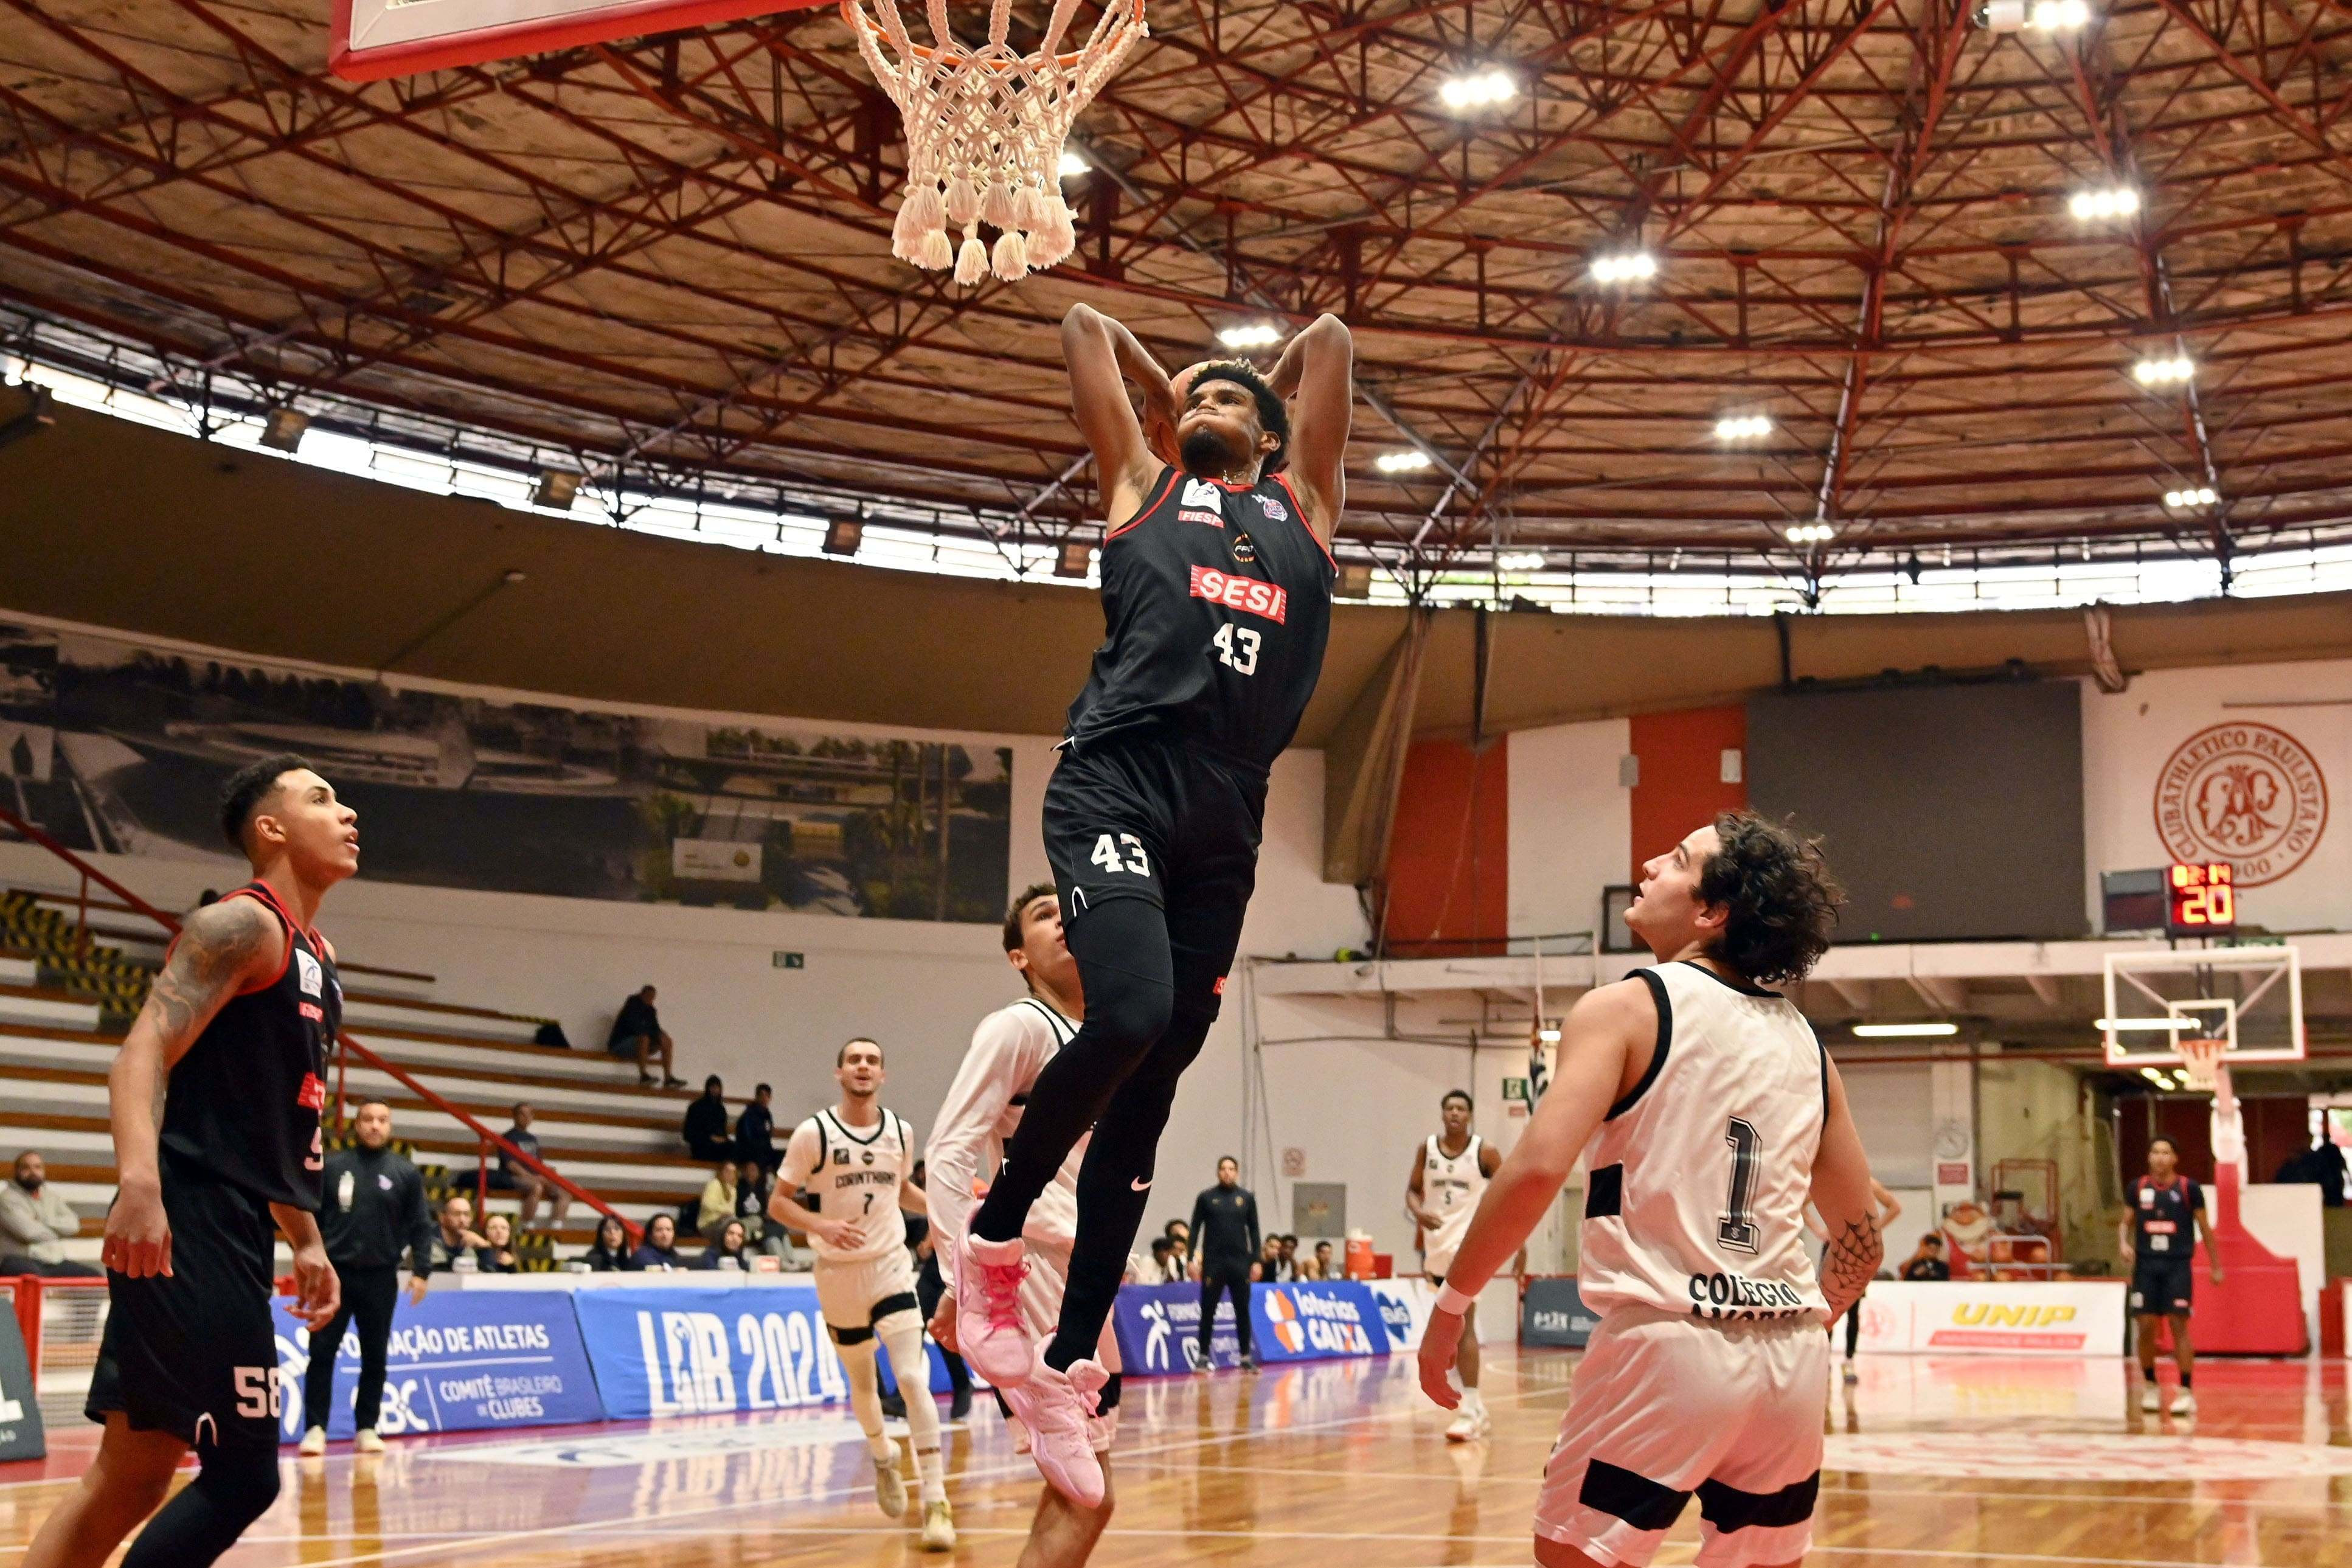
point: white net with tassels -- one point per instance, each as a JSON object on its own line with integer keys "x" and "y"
{"x": 985, "y": 128}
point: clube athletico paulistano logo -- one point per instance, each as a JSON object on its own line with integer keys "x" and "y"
{"x": 2251, "y": 794}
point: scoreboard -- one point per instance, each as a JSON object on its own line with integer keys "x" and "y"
{"x": 2200, "y": 899}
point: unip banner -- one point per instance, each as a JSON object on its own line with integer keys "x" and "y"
{"x": 21, "y": 1436}
{"x": 1158, "y": 1329}
{"x": 697, "y": 1352}
{"x": 457, "y": 1362}
{"x": 1317, "y": 1321}
{"x": 1552, "y": 1313}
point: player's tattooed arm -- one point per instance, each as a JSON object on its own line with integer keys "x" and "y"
{"x": 1850, "y": 1262}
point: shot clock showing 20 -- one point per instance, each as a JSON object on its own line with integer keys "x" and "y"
{"x": 2202, "y": 897}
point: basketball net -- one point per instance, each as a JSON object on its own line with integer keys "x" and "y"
{"x": 2200, "y": 1065}
{"x": 985, "y": 128}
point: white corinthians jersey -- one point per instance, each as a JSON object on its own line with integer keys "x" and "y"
{"x": 854, "y": 1172}
{"x": 1699, "y": 1178}
{"x": 983, "y": 1111}
{"x": 1451, "y": 1187}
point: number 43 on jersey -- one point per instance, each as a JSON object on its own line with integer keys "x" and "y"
{"x": 1237, "y": 648}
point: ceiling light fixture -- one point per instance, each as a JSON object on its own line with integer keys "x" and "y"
{"x": 1523, "y": 561}
{"x": 1251, "y": 335}
{"x": 1478, "y": 90}
{"x": 1903, "y": 1031}
{"x": 1742, "y": 427}
{"x": 1073, "y": 166}
{"x": 2181, "y": 500}
{"x": 1633, "y": 267}
{"x": 1811, "y": 534}
{"x": 2115, "y": 201}
{"x": 2155, "y": 372}
{"x": 1409, "y": 461}
{"x": 2058, "y": 15}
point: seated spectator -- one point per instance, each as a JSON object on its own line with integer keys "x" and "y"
{"x": 660, "y": 1248}
{"x": 730, "y": 1245}
{"x": 35, "y": 1220}
{"x": 1927, "y": 1261}
{"x": 719, "y": 1195}
{"x": 610, "y": 1254}
{"x": 755, "y": 1133}
{"x": 638, "y": 1035}
{"x": 1166, "y": 1268}
{"x": 1325, "y": 1268}
{"x": 455, "y": 1237}
{"x": 496, "y": 1255}
{"x": 705, "y": 1127}
{"x": 1289, "y": 1257}
{"x": 751, "y": 1185}
{"x": 510, "y": 1177}
{"x": 1268, "y": 1269}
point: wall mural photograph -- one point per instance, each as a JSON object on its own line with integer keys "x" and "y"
{"x": 121, "y": 749}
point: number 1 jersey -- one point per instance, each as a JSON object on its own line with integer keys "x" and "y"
{"x": 1216, "y": 608}
{"x": 1694, "y": 1202}
{"x": 854, "y": 1173}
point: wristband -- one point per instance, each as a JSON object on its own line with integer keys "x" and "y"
{"x": 1449, "y": 1300}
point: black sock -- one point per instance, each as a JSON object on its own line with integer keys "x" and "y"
{"x": 2184, "y": 1380}
{"x": 235, "y": 1487}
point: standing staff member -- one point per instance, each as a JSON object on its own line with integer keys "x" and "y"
{"x": 1225, "y": 1243}
{"x": 375, "y": 1207}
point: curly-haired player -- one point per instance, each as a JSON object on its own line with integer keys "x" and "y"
{"x": 1713, "y": 1116}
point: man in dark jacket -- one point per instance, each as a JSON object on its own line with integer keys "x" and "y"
{"x": 1224, "y": 1244}
{"x": 638, "y": 1035}
{"x": 755, "y": 1133}
{"x": 705, "y": 1128}
{"x": 375, "y": 1209}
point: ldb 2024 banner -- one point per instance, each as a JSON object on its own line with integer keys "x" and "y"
{"x": 457, "y": 1362}
{"x": 1160, "y": 1325}
{"x": 692, "y": 1352}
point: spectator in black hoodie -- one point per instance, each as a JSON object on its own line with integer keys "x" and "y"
{"x": 705, "y": 1127}
{"x": 755, "y": 1133}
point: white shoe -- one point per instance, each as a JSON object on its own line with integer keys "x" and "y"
{"x": 939, "y": 1527}
{"x": 314, "y": 1442}
{"x": 2184, "y": 1403}
{"x": 1054, "y": 1405}
{"x": 2151, "y": 1401}
{"x": 365, "y": 1441}
{"x": 996, "y": 1342}
{"x": 1470, "y": 1424}
{"x": 1852, "y": 1373}
{"x": 889, "y": 1486}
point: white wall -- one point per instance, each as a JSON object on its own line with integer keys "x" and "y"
{"x": 2128, "y": 737}
{"x": 1570, "y": 822}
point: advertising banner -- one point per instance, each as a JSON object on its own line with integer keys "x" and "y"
{"x": 1158, "y": 1329}
{"x": 1995, "y": 1317}
{"x": 20, "y": 1413}
{"x": 456, "y": 1364}
{"x": 1317, "y": 1321}
{"x": 694, "y": 1353}
{"x": 1405, "y": 1308}
{"x": 1552, "y": 1313}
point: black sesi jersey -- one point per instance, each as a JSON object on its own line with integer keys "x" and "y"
{"x": 1217, "y": 605}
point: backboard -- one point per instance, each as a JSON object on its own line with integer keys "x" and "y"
{"x": 2250, "y": 998}
{"x": 377, "y": 38}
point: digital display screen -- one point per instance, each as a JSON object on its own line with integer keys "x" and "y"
{"x": 2202, "y": 898}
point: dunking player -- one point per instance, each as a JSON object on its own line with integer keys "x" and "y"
{"x": 1450, "y": 1173}
{"x": 214, "y": 1102}
{"x": 2160, "y": 1249}
{"x": 1713, "y": 1115}
{"x": 1217, "y": 596}
{"x": 854, "y": 1159}
{"x": 983, "y": 1107}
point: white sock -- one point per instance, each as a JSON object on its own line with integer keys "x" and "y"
{"x": 902, "y": 1334}
{"x": 1471, "y": 1402}
{"x": 866, "y": 1396}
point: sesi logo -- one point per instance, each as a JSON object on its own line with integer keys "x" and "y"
{"x": 1251, "y": 595}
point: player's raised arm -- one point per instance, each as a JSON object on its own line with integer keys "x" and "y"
{"x": 1103, "y": 356}
{"x": 1317, "y": 376}
{"x": 1848, "y": 1201}
{"x": 224, "y": 947}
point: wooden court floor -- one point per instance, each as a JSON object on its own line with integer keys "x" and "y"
{"x": 2007, "y": 1462}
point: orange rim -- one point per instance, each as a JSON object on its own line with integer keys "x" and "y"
{"x": 955, "y": 59}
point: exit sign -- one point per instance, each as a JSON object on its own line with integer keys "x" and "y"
{"x": 791, "y": 961}
{"x": 1516, "y": 1088}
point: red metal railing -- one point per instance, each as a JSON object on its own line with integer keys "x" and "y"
{"x": 345, "y": 1044}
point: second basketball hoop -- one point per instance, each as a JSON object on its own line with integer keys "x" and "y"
{"x": 985, "y": 130}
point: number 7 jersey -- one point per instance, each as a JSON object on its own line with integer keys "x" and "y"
{"x": 853, "y": 1173}
{"x": 1695, "y": 1198}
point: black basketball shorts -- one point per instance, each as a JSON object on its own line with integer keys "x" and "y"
{"x": 1148, "y": 816}
{"x": 2160, "y": 1285}
{"x": 195, "y": 1353}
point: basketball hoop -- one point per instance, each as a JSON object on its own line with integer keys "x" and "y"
{"x": 2200, "y": 1062}
{"x": 985, "y": 128}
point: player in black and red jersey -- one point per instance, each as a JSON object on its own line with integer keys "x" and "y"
{"x": 2159, "y": 1248}
{"x": 1216, "y": 587}
{"x": 214, "y": 1101}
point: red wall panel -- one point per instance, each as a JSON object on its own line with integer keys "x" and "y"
{"x": 1681, "y": 784}
{"x": 1449, "y": 856}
